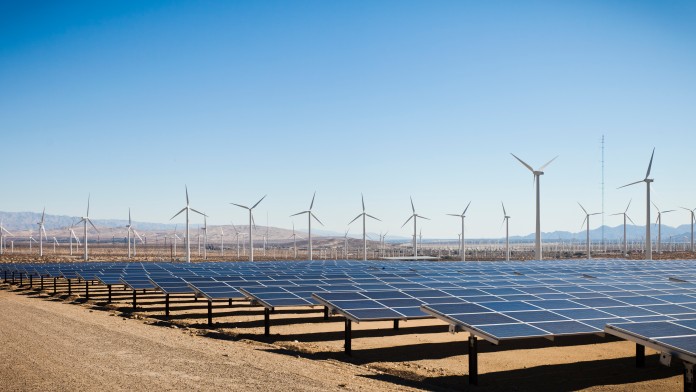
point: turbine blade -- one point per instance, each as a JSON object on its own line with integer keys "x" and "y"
{"x": 629, "y": 204}
{"x": 633, "y": 183}
{"x": 363, "y": 201}
{"x": 258, "y": 202}
{"x": 631, "y": 220}
{"x": 356, "y": 218}
{"x": 312, "y": 203}
{"x": 422, "y": 217}
{"x": 457, "y": 215}
{"x": 129, "y": 217}
{"x": 467, "y": 207}
{"x": 583, "y": 208}
{"x": 523, "y": 162}
{"x": 187, "y": 198}
{"x": 300, "y": 213}
{"x": 95, "y": 227}
{"x": 409, "y": 218}
{"x": 88, "y": 197}
{"x": 315, "y": 217}
{"x": 198, "y": 212}
{"x": 412, "y": 207}
{"x": 504, "y": 212}
{"x": 650, "y": 164}
{"x": 177, "y": 214}
{"x": 239, "y": 205}
{"x": 548, "y": 163}
{"x": 373, "y": 217}
{"x": 583, "y": 222}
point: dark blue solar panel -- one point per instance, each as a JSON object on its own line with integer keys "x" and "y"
{"x": 600, "y": 323}
{"x": 400, "y": 303}
{"x": 583, "y": 314}
{"x": 599, "y": 302}
{"x": 552, "y": 304}
{"x": 510, "y": 331}
{"x": 458, "y": 308}
{"x": 687, "y": 344}
{"x": 535, "y": 315}
{"x": 565, "y": 327}
{"x": 411, "y": 312}
{"x": 687, "y": 323}
{"x": 374, "y": 314}
{"x": 391, "y": 294}
{"x": 483, "y": 318}
{"x": 357, "y": 304}
{"x": 667, "y": 309}
{"x": 641, "y": 300}
{"x": 628, "y": 311}
{"x": 346, "y": 296}
{"x": 502, "y": 306}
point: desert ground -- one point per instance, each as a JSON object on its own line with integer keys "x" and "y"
{"x": 65, "y": 342}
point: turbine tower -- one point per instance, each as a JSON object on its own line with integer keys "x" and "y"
{"x": 85, "y": 219}
{"x": 506, "y": 220}
{"x": 251, "y": 224}
{"x": 310, "y": 215}
{"x": 461, "y": 240}
{"x": 188, "y": 238}
{"x": 659, "y": 226}
{"x": 415, "y": 217}
{"x": 294, "y": 239}
{"x": 130, "y": 229}
{"x": 647, "y": 181}
{"x": 42, "y": 232}
{"x": 691, "y": 221}
{"x": 364, "y": 216}
{"x": 625, "y": 217}
{"x": 77, "y": 240}
{"x": 587, "y": 219}
{"x": 537, "y": 177}
{"x": 3, "y": 233}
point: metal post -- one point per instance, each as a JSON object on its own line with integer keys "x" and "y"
{"x": 87, "y": 290}
{"x": 689, "y": 385}
{"x": 31, "y": 281}
{"x": 166, "y": 306}
{"x": 266, "y": 321}
{"x": 54, "y": 286}
{"x": 229, "y": 303}
{"x": 109, "y": 287}
{"x": 42, "y": 286}
{"x": 20, "y": 280}
{"x": 210, "y": 313}
{"x": 69, "y": 287}
{"x": 135, "y": 294}
{"x": 640, "y": 355}
{"x": 473, "y": 360}
{"x": 396, "y": 324}
{"x": 326, "y": 312}
{"x": 348, "y": 337}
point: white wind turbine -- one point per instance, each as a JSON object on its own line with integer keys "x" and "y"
{"x": 251, "y": 224}
{"x": 659, "y": 226}
{"x": 85, "y": 219}
{"x": 73, "y": 235}
{"x": 461, "y": 241}
{"x": 364, "y": 216}
{"x": 175, "y": 237}
{"x": 188, "y": 238}
{"x": 205, "y": 238}
{"x": 130, "y": 229}
{"x": 648, "y": 181}
{"x": 345, "y": 244}
{"x": 237, "y": 234}
{"x": 506, "y": 220}
{"x": 537, "y": 177}
{"x": 310, "y": 215}
{"x": 587, "y": 219}
{"x": 31, "y": 239}
{"x": 691, "y": 221}
{"x": 55, "y": 242}
{"x": 222, "y": 242}
{"x": 625, "y": 217}
{"x": 3, "y": 233}
{"x": 415, "y": 217}
{"x": 42, "y": 231}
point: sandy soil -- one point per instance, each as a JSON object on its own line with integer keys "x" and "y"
{"x": 48, "y": 342}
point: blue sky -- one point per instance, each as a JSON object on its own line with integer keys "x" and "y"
{"x": 132, "y": 100}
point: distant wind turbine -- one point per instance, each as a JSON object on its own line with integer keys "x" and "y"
{"x": 205, "y": 238}
{"x": 691, "y": 221}
{"x": 85, "y": 219}
{"x": 188, "y": 238}
{"x": 3, "y": 234}
{"x": 310, "y": 215}
{"x": 537, "y": 178}
{"x": 461, "y": 241}
{"x": 222, "y": 242}
{"x": 251, "y": 224}
{"x": 648, "y": 181}
{"x": 587, "y": 219}
{"x": 130, "y": 229}
{"x": 364, "y": 215}
{"x": 237, "y": 234}
{"x": 175, "y": 237}
{"x": 659, "y": 226}
{"x": 55, "y": 242}
{"x": 625, "y": 217}
{"x": 294, "y": 239}
{"x": 42, "y": 231}
{"x": 506, "y": 220}
{"x": 415, "y": 217}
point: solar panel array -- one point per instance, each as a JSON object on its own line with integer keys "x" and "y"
{"x": 495, "y": 300}
{"x": 676, "y": 336}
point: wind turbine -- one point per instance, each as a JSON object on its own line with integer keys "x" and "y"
{"x": 42, "y": 232}
{"x": 364, "y": 215}
{"x": 659, "y": 226}
{"x": 692, "y": 220}
{"x": 55, "y": 242}
{"x": 222, "y": 242}
{"x": 294, "y": 239}
{"x": 587, "y": 219}
{"x": 73, "y": 235}
{"x": 251, "y": 224}
{"x": 310, "y": 215}
{"x": 537, "y": 177}
{"x": 130, "y": 229}
{"x": 648, "y": 181}
{"x": 175, "y": 237}
{"x": 461, "y": 241}
{"x": 188, "y": 238}
{"x": 415, "y": 217}
{"x": 86, "y": 220}
{"x": 625, "y": 217}
{"x": 506, "y": 220}
{"x": 31, "y": 238}
{"x": 205, "y": 237}
{"x": 3, "y": 230}
{"x": 237, "y": 234}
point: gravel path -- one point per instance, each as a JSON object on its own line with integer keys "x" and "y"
{"x": 51, "y": 345}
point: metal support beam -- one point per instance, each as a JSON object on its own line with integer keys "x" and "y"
{"x": 31, "y": 281}
{"x": 326, "y": 312}
{"x": 210, "y": 313}
{"x": 689, "y": 385}
{"x": 640, "y": 355}
{"x": 54, "y": 286}
{"x": 69, "y": 287}
{"x": 396, "y": 324}
{"x": 473, "y": 360}
{"x": 348, "y": 338}
{"x": 266, "y": 321}
{"x": 109, "y": 300}
{"x": 166, "y": 306}
{"x": 135, "y": 299}
{"x": 230, "y": 302}
{"x": 87, "y": 290}
{"x": 42, "y": 285}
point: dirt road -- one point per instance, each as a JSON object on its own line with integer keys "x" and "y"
{"x": 46, "y": 344}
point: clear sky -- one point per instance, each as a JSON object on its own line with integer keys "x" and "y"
{"x": 130, "y": 100}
